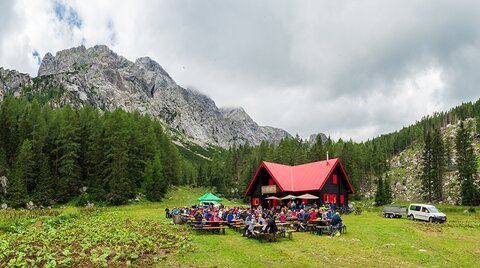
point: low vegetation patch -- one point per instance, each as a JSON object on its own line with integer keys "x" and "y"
{"x": 87, "y": 239}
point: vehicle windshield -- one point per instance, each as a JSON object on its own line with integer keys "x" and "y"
{"x": 434, "y": 210}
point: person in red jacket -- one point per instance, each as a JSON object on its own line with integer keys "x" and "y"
{"x": 313, "y": 215}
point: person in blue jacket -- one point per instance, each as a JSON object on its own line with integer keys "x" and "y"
{"x": 336, "y": 224}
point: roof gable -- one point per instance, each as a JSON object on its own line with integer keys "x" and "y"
{"x": 306, "y": 177}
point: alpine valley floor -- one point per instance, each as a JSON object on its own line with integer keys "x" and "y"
{"x": 139, "y": 235}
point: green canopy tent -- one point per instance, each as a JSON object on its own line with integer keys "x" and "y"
{"x": 209, "y": 197}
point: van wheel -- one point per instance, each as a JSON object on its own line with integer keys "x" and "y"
{"x": 411, "y": 217}
{"x": 430, "y": 219}
{"x": 391, "y": 216}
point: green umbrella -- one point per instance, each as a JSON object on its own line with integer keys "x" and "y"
{"x": 209, "y": 197}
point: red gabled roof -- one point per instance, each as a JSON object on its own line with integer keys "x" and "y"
{"x": 301, "y": 178}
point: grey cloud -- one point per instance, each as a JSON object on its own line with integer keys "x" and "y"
{"x": 6, "y": 10}
{"x": 340, "y": 67}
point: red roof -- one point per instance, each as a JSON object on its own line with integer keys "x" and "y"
{"x": 301, "y": 178}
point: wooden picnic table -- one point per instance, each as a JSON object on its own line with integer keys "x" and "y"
{"x": 210, "y": 225}
{"x": 319, "y": 220}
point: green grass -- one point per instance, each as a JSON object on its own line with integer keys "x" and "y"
{"x": 371, "y": 240}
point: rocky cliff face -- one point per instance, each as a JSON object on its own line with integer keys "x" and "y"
{"x": 12, "y": 81}
{"x": 406, "y": 169}
{"x": 99, "y": 77}
{"x": 313, "y": 138}
{"x": 239, "y": 121}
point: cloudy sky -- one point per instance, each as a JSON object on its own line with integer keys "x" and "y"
{"x": 350, "y": 69}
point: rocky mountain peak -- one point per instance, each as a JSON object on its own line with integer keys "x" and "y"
{"x": 312, "y": 139}
{"x": 99, "y": 77}
{"x": 69, "y": 60}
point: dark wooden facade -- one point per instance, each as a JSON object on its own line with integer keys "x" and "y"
{"x": 328, "y": 192}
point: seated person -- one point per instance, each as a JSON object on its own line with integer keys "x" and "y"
{"x": 294, "y": 213}
{"x": 289, "y": 214}
{"x": 167, "y": 213}
{"x": 336, "y": 224}
{"x": 319, "y": 213}
{"x": 230, "y": 217}
{"x": 208, "y": 216}
{"x": 325, "y": 216}
{"x": 248, "y": 219}
{"x": 215, "y": 217}
{"x": 313, "y": 216}
{"x": 264, "y": 227}
{"x": 251, "y": 227}
{"x": 261, "y": 220}
{"x": 175, "y": 211}
{"x": 282, "y": 216}
{"x": 271, "y": 228}
{"x": 303, "y": 224}
{"x": 198, "y": 216}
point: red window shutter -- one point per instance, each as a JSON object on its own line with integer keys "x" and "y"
{"x": 325, "y": 198}
{"x": 334, "y": 179}
{"x": 342, "y": 199}
{"x": 270, "y": 181}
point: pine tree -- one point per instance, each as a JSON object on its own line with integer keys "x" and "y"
{"x": 438, "y": 165}
{"x": 477, "y": 125}
{"x": 3, "y": 173}
{"x": 155, "y": 184}
{"x": 115, "y": 159}
{"x": 449, "y": 154}
{"x": 466, "y": 165}
{"x": 387, "y": 191}
{"x": 217, "y": 178}
{"x": 427, "y": 167}
{"x": 170, "y": 157}
{"x": 44, "y": 194}
{"x": 23, "y": 174}
{"x": 380, "y": 194}
{"x": 90, "y": 153}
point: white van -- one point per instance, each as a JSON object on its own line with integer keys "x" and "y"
{"x": 426, "y": 213}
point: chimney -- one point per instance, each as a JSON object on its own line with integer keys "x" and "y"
{"x": 327, "y": 158}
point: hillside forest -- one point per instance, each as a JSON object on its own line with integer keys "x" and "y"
{"x": 54, "y": 155}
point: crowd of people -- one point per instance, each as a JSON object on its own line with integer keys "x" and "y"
{"x": 301, "y": 212}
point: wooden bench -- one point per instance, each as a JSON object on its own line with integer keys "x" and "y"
{"x": 288, "y": 233}
{"x": 263, "y": 236}
{"x": 211, "y": 228}
{"x": 311, "y": 227}
{"x": 279, "y": 234}
{"x": 238, "y": 227}
{"x": 320, "y": 229}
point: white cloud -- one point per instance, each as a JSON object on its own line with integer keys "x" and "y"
{"x": 347, "y": 68}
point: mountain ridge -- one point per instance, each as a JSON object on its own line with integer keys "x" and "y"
{"x": 100, "y": 77}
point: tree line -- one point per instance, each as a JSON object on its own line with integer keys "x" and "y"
{"x": 52, "y": 156}
{"x": 366, "y": 163}
{"x": 437, "y": 159}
